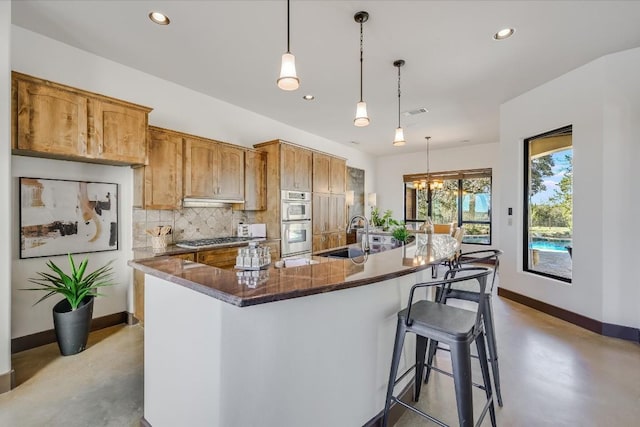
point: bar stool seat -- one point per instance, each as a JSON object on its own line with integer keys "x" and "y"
{"x": 458, "y": 328}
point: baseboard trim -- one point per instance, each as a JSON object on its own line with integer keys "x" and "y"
{"x": 144, "y": 422}
{"x": 49, "y": 336}
{"x": 607, "y": 329}
{"x": 395, "y": 412}
{"x": 7, "y": 381}
{"x": 131, "y": 319}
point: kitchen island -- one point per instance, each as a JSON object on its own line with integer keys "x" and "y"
{"x": 301, "y": 346}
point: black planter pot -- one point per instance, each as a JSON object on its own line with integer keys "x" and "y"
{"x": 72, "y": 327}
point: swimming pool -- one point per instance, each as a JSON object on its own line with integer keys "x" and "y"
{"x": 550, "y": 245}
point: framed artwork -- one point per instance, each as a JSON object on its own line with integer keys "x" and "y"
{"x": 60, "y": 216}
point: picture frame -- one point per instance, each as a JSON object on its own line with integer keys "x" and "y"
{"x": 59, "y": 216}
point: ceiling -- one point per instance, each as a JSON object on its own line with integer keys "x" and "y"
{"x": 231, "y": 50}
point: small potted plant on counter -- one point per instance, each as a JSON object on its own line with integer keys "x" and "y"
{"x": 72, "y": 315}
{"x": 400, "y": 233}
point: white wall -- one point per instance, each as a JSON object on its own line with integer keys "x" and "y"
{"x": 6, "y": 244}
{"x": 601, "y": 101}
{"x": 175, "y": 107}
{"x": 389, "y": 186}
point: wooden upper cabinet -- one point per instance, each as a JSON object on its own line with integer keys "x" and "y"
{"x": 199, "y": 164}
{"x": 296, "y": 168}
{"x": 118, "y": 132}
{"x": 213, "y": 170}
{"x": 230, "y": 170}
{"x": 49, "y": 120}
{"x": 58, "y": 121}
{"x": 337, "y": 177}
{"x": 255, "y": 181}
{"x": 162, "y": 184}
{"x": 328, "y": 174}
{"x": 321, "y": 170}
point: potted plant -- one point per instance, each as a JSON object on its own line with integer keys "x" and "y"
{"x": 72, "y": 315}
{"x": 400, "y": 233}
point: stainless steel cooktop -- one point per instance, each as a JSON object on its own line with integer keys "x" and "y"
{"x": 214, "y": 242}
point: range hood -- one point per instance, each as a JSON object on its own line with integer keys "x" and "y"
{"x": 201, "y": 202}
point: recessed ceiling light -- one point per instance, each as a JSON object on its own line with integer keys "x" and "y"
{"x": 504, "y": 33}
{"x": 308, "y": 97}
{"x": 159, "y": 18}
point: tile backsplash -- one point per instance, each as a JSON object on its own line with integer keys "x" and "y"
{"x": 188, "y": 223}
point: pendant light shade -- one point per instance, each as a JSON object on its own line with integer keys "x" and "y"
{"x": 362, "y": 118}
{"x": 398, "y": 140}
{"x": 288, "y": 77}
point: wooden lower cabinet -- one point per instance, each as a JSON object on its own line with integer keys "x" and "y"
{"x": 221, "y": 257}
{"x": 326, "y": 241}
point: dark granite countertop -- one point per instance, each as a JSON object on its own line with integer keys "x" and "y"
{"x": 324, "y": 275}
{"x": 148, "y": 252}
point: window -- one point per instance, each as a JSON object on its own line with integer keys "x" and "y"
{"x": 461, "y": 197}
{"x": 548, "y": 204}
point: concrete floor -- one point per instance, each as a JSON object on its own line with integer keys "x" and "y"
{"x": 102, "y": 386}
{"x": 553, "y": 374}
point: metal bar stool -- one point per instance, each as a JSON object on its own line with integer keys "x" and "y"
{"x": 434, "y": 320}
{"x": 469, "y": 292}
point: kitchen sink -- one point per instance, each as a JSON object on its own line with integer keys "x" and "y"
{"x": 355, "y": 252}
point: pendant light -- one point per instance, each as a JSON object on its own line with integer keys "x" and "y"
{"x": 288, "y": 78}
{"x": 362, "y": 118}
{"x": 399, "y": 141}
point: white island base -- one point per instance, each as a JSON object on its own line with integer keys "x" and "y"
{"x": 320, "y": 360}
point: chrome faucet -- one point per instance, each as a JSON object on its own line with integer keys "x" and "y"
{"x": 365, "y": 238}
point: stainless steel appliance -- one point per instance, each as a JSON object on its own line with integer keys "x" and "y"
{"x": 296, "y": 237}
{"x": 252, "y": 230}
{"x": 296, "y": 233}
{"x": 296, "y": 205}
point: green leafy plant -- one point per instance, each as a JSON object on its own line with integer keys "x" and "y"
{"x": 385, "y": 221}
{"x": 75, "y": 286}
{"x": 400, "y": 233}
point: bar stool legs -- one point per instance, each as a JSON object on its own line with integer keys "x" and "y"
{"x": 493, "y": 345}
{"x": 395, "y": 361}
{"x": 489, "y": 326}
{"x": 461, "y": 372}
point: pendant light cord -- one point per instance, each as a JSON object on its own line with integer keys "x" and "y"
{"x": 288, "y": 50}
{"x": 360, "y": 60}
{"x": 398, "y": 96}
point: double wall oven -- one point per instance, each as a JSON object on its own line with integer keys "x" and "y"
{"x": 296, "y": 223}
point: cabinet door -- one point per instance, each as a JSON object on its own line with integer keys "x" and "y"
{"x": 117, "y": 132}
{"x": 51, "y": 120}
{"x": 288, "y": 167}
{"x": 199, "y": 166}
{"x": 319, "y": 242}
{"x": 191, "y": 256}
{"x": 255, "y": 181}
{"x": 320, "y": 213}
{"x": 230, "y": 173}
{"x": 303, "y": 169}
{"x": 221, "y": 258}
{"x": 321, "y": 166}
{"x": 163, "y": 174}
{"x": 337, "y": 177}
{"x": 337, "y": 213}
